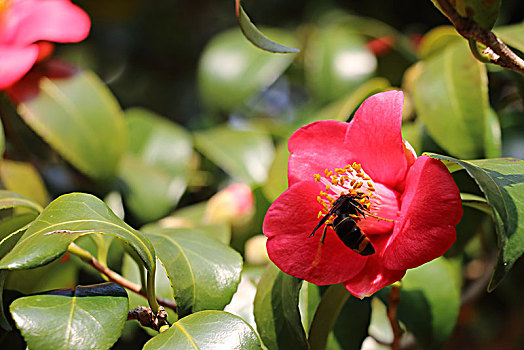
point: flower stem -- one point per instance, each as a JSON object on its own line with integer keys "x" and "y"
{"x": 394, "y": 301}
{"x": 116, "y": 278}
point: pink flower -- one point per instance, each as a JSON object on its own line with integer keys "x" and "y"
{"x": 411, "y": 204}
{"x": 26, "y": 26}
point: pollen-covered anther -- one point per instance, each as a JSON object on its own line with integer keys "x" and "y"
{"x": 349, "y": 180}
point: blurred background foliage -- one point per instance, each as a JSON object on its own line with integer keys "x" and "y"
{"x": 203, "y": 109}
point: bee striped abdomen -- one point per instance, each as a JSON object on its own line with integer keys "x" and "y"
{"x": 350, "y": 234}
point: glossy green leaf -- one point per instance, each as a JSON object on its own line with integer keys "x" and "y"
{"x": 207, "y": 330}
{"x": 54, "y": 275}
{"x": 256, "y": 37}
{"x": 231, "y": 70}
{"x": 276, "y": 311}
{"x": 155, "y": 167}
{"x": 245, "y": 155}
{"x": 502, "y": 182}
{"x": 308, "y": 301}
{"x": 351, "y": 326}
{"x": 483, "y": 12}
{"x": 65, "y": 219}
{"x": 204, "y": 273}
{"x": 87, "y": 317}
{"x": 436, "y": 40}
{"x": 327, "y": 312}
{"x": 10, "y": 199}
{"x": 451, "y": 98}
{"x": 23, "y": 178}
{"x": 512, "y": 35}
{"x": 337, "y": 62}
{"x": 429, "y": 302}
{"x": 81, "y": 119}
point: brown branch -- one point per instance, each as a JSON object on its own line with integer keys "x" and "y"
{"x": 147, "y": 317}
{"x": 115, "y": 277}
{"x": 501, "y": 54}
{"x": 394, "y": 301}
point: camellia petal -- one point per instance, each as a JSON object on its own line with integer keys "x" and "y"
{"x": 315, "y": 147}
{"x": 15, "y": 62}
{"x": 288, "y": 224}
{"x": 29, "y": 21}
{"x": 374, "y": 275}
{"x": 375, "y": 136}
{"x": 430, "y": 209}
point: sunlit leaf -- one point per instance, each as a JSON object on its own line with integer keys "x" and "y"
{"x": 10, "y": 199}
{"x": 436, "y": 40}
{"x": 337, "y": 63}
{"x": 65, "y": 219}
{"x": 502, "y": 182}
{"x": 512, "y": 35}
{"x": 155, "y": 167}
{"x": 245, "y": 155}
{"x": 81, "y": 119}
{"x": 23, "y": 178}
{"x": 204, "y": 273}
{"x": 276, "y": 311}
{"x": 207, "y": 330}
{"x": 451, "y": 98}
{"x": 87, "y": 317}
{"x": 231, "y": 70}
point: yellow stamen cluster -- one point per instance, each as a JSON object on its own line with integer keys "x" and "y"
{"x": 4, "y": 7}
{"x": 349, "y": 180}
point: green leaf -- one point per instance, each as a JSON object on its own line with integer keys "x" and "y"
{"x": 512, "y": 35}
{"x": 436, "y": 40}
{"x": 87, "y": 317}
{"x": 81, "y": 119}
{"x": 65, "y": 219}
{"x": 343, "y": 108}
{"x": 10, "y": 199}
{"x": 451, "y": 98}
{"x": 155, "y": 167}
{"x": 4, "y": 323}
{"x": 492, "y": 136}
{"x": 204, "y": 273}
{"x": 245, "y": 155}
{"x": 338, "y": 62}
{"x": 502, "y": 182}
{"x": 429, "y": 302}
{"x": 231, "y": 70}
{"x": 483, "y": 12}
{"x": 207, "y": 330}
{"x": 256, "y": 37}
{"x": 277, "y": 175}
{"x": 327, "y": 312}
{"x": 23, "y": 178}
{"x": 476, "y": 202}
{"x": 276, "y": 310}
{"x": 351, "y": 326}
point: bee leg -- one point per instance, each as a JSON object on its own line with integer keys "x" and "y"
{"x": 324, "y": 233}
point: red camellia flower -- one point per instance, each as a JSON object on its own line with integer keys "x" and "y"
{"x": 27, "y": 27}
{"x": 407, "y": 206}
